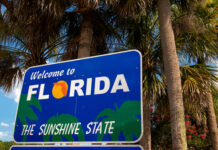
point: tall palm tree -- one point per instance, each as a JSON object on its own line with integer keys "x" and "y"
{"x": 195, "y": 86}
{"x": 103, "y": 33}
{"x": 197, "y": 41}
{"x": 142, "y": 34}
{"x": 171, "y": 69}
{"x": 85, "y": 9}
{"x": 171, "y": 64}
{"x": 197, "y": 79}
{"x": 93, "y": 21}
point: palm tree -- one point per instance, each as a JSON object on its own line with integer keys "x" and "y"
{"x": 27, "y": 39}
{"x": 171, "y": 69}
{"x": 212, "y": 124}
{"x": 197, "y": 80}
{"x": 103, "y": 33}
{"x": 171, "y": 65}
{"x": 142, "y": 34}
{"x": 197, "y": 41}
{"x": 91, "y": 23}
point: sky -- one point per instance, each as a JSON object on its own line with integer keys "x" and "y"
{"x": 8, "y": 108}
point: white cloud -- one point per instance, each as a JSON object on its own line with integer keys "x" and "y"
{"x": 15, "y": 93}
{"x": 3, "y": 134}
{"x": 3, "y": 124}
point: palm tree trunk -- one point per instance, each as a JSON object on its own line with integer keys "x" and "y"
{"x": 85, "y": 38}
{"x": 212, "y": 124}
{"x": 145, "y": 141}
{"x": 211, "y": 116}
{"x": 171, "y": 69}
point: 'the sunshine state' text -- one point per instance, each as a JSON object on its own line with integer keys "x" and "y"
{"x": 70, "y": 128}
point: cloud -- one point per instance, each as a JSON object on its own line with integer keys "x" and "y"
{"x": 3, "y": 124}
{"x": 3, "y": 134}
{"x": 15, "y": 93}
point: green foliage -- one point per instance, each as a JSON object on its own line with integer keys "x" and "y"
{"x": 196, "y": 40}
{"x": 29, "y": 36}
{"x": 8, "y": 145}
{"x": 197, "y": 79}
{"x": 2, "y": 146}
{"x": 10, "y": 73}
{"x": 126, "y": 120}
{"x": 215, "y": 101}
{"x": 197, "y": 135}
{"x": 5, "y": 145}
{"x": 25, "y": 110}
{"x": 64, "y": 118}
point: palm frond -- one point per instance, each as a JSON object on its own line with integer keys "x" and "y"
{"x": 197, "y": 81}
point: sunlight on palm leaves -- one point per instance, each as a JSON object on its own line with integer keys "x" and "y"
{"x": 26, "y": 111}
{"x": 64, "y": 118}
{"x": 126, "y": 120}
{"x": 197, "y": 81}
{"x": 154, "y": 80}
{"x": 195, "y": 38}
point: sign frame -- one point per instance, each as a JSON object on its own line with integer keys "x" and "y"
{"x": 86, "y": 146}
{"x": 90, "y": 142}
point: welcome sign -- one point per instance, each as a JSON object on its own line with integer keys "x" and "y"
{"x": 95, "y": 99}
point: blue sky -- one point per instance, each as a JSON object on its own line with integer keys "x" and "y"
{"x": 8, "y": 108}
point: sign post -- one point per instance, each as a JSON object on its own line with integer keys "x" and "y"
{"x": 97, "y": 99}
